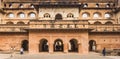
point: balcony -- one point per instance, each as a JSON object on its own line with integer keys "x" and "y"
{"x": 58, "y": 24}
{"x": 12, "y": 28}
{"x": 105, "y": 28}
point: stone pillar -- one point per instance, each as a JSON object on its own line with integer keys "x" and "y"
{"x": 51, "y": 48}
{"x": 79, "y": 48}
{"x": 33, "y": 48}
{"x": 65, "y": 47}
{"x": 85, "y": 46}
{"x": 84, "y": 43}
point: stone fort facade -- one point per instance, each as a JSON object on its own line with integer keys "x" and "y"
{"x": 66, "y": 26}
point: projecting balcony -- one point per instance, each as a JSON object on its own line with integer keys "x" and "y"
{"x": 105, "y": 28}
{"x": 12, "y": 28}
{"x": 58, "y": 24}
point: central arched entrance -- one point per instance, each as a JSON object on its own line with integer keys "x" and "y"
{"x": 92, "y": 45}
{"x": 43, "y": 45}
{"x": 73, "y": 45}
{"x": 58, "y": 45}
{"x": 25, "y": 45}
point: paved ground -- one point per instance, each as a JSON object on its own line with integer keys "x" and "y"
{"x": 57, "y": 56}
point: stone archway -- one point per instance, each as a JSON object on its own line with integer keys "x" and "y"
{"x": 25, "y": 45}
{"x": 43, "y": 45}
{"x": 58, "y": 45}
{"x": 73, "y": 45}
{"x": 92, "y": 45}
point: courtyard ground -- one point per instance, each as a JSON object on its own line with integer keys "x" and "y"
{"x": 57, "y": 56}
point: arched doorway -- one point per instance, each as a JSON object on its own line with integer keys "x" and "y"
{"x": 92, "y": 45}
{"x": 73, "y": 45}
{"x": 43, "y": 45}
{"x": 58, "y": 45}
{"x": 25, "y": 45}
{"x": 58, "y": 17}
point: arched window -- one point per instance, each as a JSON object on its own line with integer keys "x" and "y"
{"x": 20, "y": 23}
{"x": 21, "y": 6}
{"x": 70, "y": 15}
{"x": 58, "y": 17}
{"x": 11, "y": 15}
{"x": 31, "y": 6}
{"x": 96, "y": 15}
{"x": 21, "y": 15}
{"x": 108, "y": 5}
{"x": 85, "y": 15}
{"x": 107, "y": 15}
{"x": 4, "y": 5}
{"x": 97, "y": 5}
{"x": 10, "y": 5}
{"x": 32, "y": 15}
{"x": 108, "y": 23}
{"x": 47, "y": 15}
{"x": 114, "y": 4}
{"x": 85, "y": 5}
{"x": 10, "y": 23}
{"x": 97, "y": 23}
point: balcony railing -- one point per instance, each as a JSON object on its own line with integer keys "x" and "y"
{"x": 60, "y": 24}
{"x": 12, "y": 28}
{"x": 105, "y": 28}
{"x": 63, "y": 24}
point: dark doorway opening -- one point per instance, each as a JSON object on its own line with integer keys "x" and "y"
{"x": 73, "y": 45}
{"x": 25, "y": 45}
{"x": 58, "y": 17}
{"x": 58, "y": 45}
{"x": 43, "y": 45}
{"x": 92, "y": 45}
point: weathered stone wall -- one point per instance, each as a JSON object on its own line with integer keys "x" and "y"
{"x": 8, "y": 40}
{"x": 108, "y": 40}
